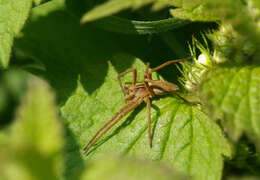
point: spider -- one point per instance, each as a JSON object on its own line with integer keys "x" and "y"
{"x": 135, "y": 94}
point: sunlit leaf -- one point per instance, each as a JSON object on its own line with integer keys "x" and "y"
{"x": 13, "y": 14}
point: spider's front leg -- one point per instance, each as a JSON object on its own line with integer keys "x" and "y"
{"x": 170, "y": 87}
{"x": 167, "y": 63}
{"x": 133, "y": 83}
{"x": 124, "y": 73}
{"x": 146, "y": 76}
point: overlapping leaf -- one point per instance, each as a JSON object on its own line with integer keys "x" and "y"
{"x": 233, "y": 94}
{"x": 243, "y": 17}
{"x": 129, "y": 169}
{"x": 205, "y": 10}
{"x": 13, "y": 14}
{"x": 33, "y": 147}
{"x": 113, "y": 6}
{"x": 127, "y": 26}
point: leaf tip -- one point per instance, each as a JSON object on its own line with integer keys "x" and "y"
{"x": 4, "y": 63}
{"x": 83, "y": 20}
{"x": 86, "y": 18}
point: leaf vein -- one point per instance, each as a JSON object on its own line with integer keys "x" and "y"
{"x": 191, "y": 149}
{"x": 228, "y": 89}
{"x": 164, "y": 145}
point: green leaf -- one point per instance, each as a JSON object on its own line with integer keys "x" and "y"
{"x": 184, "y": 137}
{"x": 196, "y": 13}
{"x": 125, "y": 26}
{"x": 233, "y": 94}
{"x": 13, "y": 14}
{"x": 37, "y": 2}
{"x": 129, "y": 169}
{"x": 207, "y": 10}
{"x": 82, "y": 64}
{"x": 36, "y": 139}
{"x": 244, "y": 17}
{"x": 113, "y": 6}
{"x": 66, "y": 54}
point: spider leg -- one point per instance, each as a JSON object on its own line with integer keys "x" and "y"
{"x": 146, "y": 75}
{"x": 129, "y": 108}
{"x": 168, "y": 63}
{"x": 124, "y": 73}
{"x": 120, "y": 111}
{"x": 149, "y": 74}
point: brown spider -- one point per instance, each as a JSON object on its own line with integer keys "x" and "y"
{"x": 136, "y": 94}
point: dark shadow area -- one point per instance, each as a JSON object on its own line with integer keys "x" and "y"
{"x": 13, "y": 85}
{"x": 80, "y": 7}
{"x": 177, "y": 42}
{"x": 152, "y": 48}
{"x": 67, "y": 51}
{"x": 7, "y": 113}
{"x": 246, "y": 161}
{"x": 74, "y": 164}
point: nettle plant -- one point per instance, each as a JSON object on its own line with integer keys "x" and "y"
{"x": 76, "y": 50}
